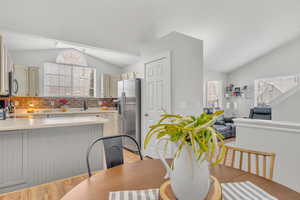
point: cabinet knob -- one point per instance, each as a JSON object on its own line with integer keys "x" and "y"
{"x": 146, "y": 115}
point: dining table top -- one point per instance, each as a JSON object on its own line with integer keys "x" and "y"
{"x": 149, "y": 174}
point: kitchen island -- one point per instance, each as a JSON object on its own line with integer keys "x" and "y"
{"x": 37, "y": 151}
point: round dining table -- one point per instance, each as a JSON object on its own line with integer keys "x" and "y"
{"x": 149, "y": 174}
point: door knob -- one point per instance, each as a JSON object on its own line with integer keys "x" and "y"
{"x": 146, "y": 115}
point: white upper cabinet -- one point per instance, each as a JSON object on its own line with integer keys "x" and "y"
{"x": 21, "y": 87}
{"x": 4, "y": 68}
{"x": 26, "y": 81}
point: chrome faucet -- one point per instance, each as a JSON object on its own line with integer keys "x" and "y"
{"x": 85, "y": 105}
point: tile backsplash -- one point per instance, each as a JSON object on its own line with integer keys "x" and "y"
{"x": 53, "y": 102}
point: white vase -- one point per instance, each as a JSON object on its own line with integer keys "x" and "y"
{"x": 190, "y": 179}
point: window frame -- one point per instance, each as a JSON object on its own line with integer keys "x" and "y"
{"x": 220, "y": 91}
{"x": 272, "y": 78}
{"x": 72, "y": 79}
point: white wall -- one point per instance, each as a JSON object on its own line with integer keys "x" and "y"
{"x": 209, "y": 75}
{"x": 281, "y": 138}
{"x": 288, "y": 108}
{"x": 186, "y": 72}
{"x": 280, "y": 62}
{"x": 138, "y": 68}
{"x": 37, "y": 58}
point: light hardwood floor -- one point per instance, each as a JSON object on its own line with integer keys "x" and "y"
{"x": 57, "y": 189}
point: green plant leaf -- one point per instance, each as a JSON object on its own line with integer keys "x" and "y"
{"x": 198, "y": 132}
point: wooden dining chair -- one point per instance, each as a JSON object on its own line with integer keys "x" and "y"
{"x": 232, "y": 152}
{"x": 113, "y": 149}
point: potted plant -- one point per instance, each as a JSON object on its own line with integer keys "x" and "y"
{"x": 198, "y": 145}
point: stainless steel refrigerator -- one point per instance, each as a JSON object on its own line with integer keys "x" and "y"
{"x": 129, "y": 94}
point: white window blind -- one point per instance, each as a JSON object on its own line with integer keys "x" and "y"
{"x": 214, "y": 94}
{"x": 68, "y": 80}
{"x": 267, "y": 90}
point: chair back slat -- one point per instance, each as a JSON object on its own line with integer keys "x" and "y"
{"x": 241, "y": 159}
{"x": 233, "y": 158}
{"x": 225, "y": 157}
{"x": 257, "y": 164}
{"x": 249, "y": 162}
{"x": 265, "y": 166}
{"x": 231, "y": 154}
{"x": 272, "y": 163}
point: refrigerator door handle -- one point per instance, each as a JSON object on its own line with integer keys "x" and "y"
{"x": 122, "y": 104}
{"x": 124, "y": 97}
{"x": 119, "y": 107}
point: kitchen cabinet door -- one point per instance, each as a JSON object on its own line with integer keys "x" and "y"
{"x": 33, "y": 81}
{"x": 4, "y": 67}
{"x": 21, "y": 80}
{"x": 114, "y": 85}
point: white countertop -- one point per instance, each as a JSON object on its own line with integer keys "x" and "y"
{"x": 27, "y": 123}
{"x": 58, "y": 112}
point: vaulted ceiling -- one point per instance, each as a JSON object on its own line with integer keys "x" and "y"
{"x": 234, "y": 31}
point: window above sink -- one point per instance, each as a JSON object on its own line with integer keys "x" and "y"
{"x": 68, "y": 80}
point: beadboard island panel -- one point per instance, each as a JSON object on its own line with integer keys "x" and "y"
{"x": 39, "y": 155}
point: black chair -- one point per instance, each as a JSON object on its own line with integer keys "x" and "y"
{"x": 264, "y": 113}
{"x": 113, "y": 148}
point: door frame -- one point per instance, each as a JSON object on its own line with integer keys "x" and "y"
{"x": 168, "y": 78}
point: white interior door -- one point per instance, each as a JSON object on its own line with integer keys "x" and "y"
{"x": 157, "y": 96}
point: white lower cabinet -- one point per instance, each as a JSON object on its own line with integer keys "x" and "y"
{"x": 37, "y": 156}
